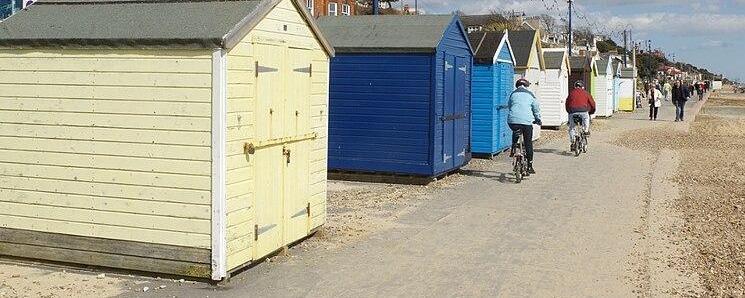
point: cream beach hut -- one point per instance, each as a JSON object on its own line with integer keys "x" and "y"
{"x": 182, "y": 137}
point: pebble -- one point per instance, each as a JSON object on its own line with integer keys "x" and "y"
{"x": 145, "y": 289}
{"x": 100, "y": 276}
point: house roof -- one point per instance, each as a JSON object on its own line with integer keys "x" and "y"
{"x": 554, "y": 60}
{"x": 482, "y": 20}
{"x": 385, "y": 33}
{"x": 487, "y": 45}
{"x": 603, "y": 66}
{"x": 522, "y": 43}
{"x": 139, "y": 23}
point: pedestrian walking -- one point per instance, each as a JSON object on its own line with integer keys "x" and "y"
{"x": 655, "y": 101}
{"x": 680, "y": 93}
{"x": 667, "y": 91}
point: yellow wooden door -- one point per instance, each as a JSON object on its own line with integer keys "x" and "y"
{"x": 269, "y": 158}
{"x": 297, "y": 123}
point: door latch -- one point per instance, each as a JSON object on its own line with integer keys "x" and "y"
{"x": 286, "y": 152}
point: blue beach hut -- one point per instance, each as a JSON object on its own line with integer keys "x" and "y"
{"x": 400, "y": 94}
{"x": 493, "y": 75}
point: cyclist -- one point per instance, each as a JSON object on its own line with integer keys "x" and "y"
{"x": 524, "y": 111}
{"x": 579, "y": 103}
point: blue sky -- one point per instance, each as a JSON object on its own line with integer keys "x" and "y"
{"x": 708, "y": 33}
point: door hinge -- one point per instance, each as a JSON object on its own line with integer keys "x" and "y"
{"x": 259, "y": 69}
{"x": 307, "y": 209}
{"x": 308, "y": 70}
{"x": 256, "y": 232}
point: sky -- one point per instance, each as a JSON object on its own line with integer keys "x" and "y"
{"x": 705, "y": 33}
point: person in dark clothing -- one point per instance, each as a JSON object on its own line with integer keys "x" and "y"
{"x": 680, "y": 96}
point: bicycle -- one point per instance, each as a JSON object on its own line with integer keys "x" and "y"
{"x": 580, "y": 139}
{"x": 520, "y": 162}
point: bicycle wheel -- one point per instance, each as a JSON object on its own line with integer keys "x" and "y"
{"x": 584, "y": 143}
{"x": 578, "y": 146}
{"x": 518, "y": 169}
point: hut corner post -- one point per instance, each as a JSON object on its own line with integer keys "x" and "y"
{"x": 219, "y": 164}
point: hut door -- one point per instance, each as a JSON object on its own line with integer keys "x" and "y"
{"x": 461, "y": 133}
{"x": 268, "y": 160}
{"x": 297, "y": 163}
{"x": 448, "y": 123}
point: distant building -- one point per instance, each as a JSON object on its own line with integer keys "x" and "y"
{"x": 319, "y": 8}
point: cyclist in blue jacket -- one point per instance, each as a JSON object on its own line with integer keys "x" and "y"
{"x": 524, "y": 111}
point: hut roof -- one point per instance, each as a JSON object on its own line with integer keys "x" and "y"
{"x": 385, "y": 33}
{"x": 487, "y": 45}
{"x": 579, "y": 62}
{"x": 553, "y": 60}
{"x": 603, "y": 66}
{"x": 137, "y": 23}
{"x": 522, "y": 43}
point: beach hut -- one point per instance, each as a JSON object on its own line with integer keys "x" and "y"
{"x": 627, "y": 89}
{"x": 554, "y": 90}
{"x": 526, "y": 46}
{"x": 493, "y": 75}
{"x": 183, "y": 137}
{"x": 581, "y": 71}
{"x": 400, "y": 94}
{"x": 604, "y": 88}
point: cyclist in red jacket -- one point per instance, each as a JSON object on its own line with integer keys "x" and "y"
{"x": 581, "y": 104}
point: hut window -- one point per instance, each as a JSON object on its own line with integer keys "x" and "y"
{"x": 345, "y": 9}
{"x": 333, "y": 9}
{"x": 309, "y": 6}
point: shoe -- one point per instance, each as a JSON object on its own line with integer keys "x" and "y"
{"x": 587, "y": 134}
{"x": 530, "y": 168}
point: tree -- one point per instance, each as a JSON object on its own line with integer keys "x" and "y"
{"x": 549, "y": 23}
{"x": 500, "y": 22}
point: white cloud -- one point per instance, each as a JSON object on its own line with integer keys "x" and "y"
{"x": 682, "y": 24}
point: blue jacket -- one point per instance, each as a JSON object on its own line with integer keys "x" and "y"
{"x": 524, "y": 107}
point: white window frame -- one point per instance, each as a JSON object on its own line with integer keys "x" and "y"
{"x": 335, "y": 11}
{"x": 309, "y": 4}
{"x": 346, "y": 9}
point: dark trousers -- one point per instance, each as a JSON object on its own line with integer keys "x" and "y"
{"x": 653, "y": 112}
{"x": 680, "y": 109}
{"x": 527, "y": 131}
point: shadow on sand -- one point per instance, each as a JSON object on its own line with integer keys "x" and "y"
{"x": 554, "y": 151}
{"x": 500, "y": 177}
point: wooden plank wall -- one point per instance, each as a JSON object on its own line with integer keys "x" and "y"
{"x": 241, "y": 96}
{"x": 107, "y": 143}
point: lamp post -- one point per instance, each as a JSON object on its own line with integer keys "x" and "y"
{"x": 570, "y": 27}
{"x": 376, "y": 7}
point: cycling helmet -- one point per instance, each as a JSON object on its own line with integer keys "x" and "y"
{"x": 579, "y": 84}
{"x": 522, "y": 82}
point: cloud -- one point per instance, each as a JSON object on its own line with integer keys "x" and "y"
{"x": 682, "y": 24}
{"x": 715, "y": 44}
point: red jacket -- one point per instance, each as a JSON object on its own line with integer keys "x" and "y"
{"x": 580, "y": 101}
